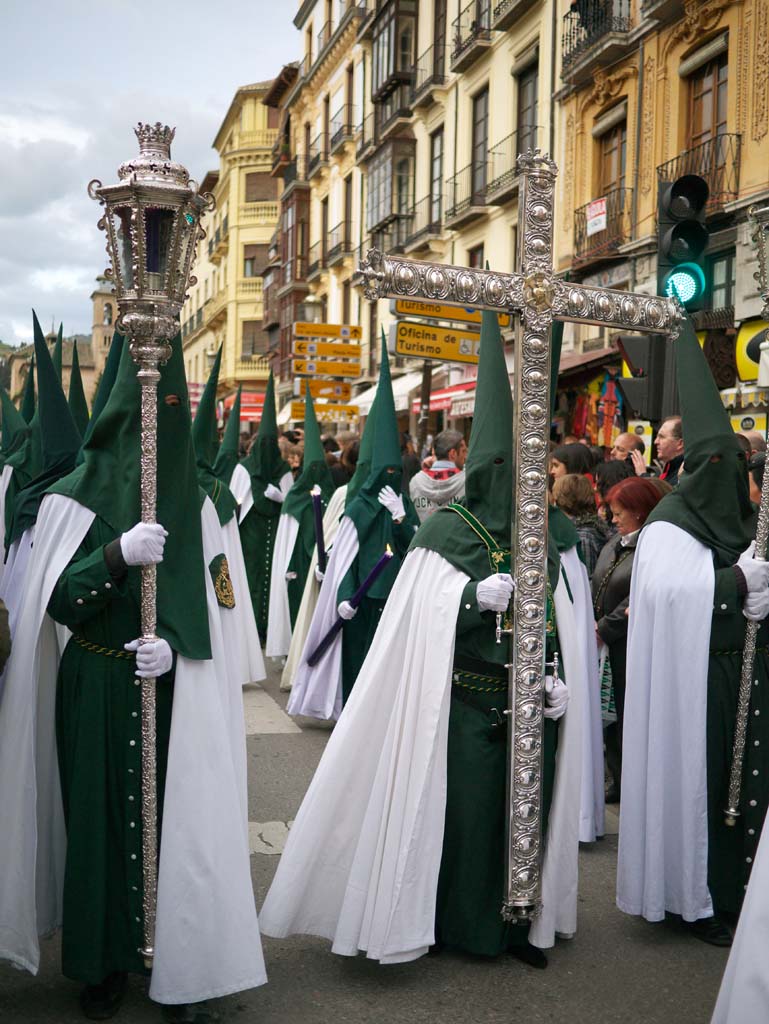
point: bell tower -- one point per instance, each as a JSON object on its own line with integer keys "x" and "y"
{"x": 104, "y": 316}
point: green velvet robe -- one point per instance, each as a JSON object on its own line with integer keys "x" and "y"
{"x": 257, "y": 537}
{"x": 98, "y": 734}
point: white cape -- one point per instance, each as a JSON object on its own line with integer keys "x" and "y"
{"x": 5, "y": 479}
{"x": 744, "y": 995}
{"x": 362, "y": 860}
{"x": 241, "y": 638}
{"x": 331, "y": 519}
{"x": 207, "y": 939}
{"x": 663, "y": 837}
{"x": 592, "y": 803}
{"x": 279, "y": 615}
{"x": 317, "y": 690}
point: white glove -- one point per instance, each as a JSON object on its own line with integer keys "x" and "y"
{"x": 392, "y": 502}
{"x": 153, "y": 659}
{"x": 346, "y": 611}
{"x": 755, "y": 571}
{"x": 756, "y": 605}
{"x": 274, "y": 493}
{"x": 319, "y": 576}
{"x": 556, "y": 697}
{"x": 494, "y": 592}
{"x": 143, "y": 544}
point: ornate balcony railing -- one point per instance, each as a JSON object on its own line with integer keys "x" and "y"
{"x": 466, "y": 194}
{"x": 341, "y": 126}
{"x": 506, "y": 11}
{"x": 252, "y": 366}
{"x": 430, "y": 74}
{"x": 588, "y": 23}
{"x": 318, "y": 154}
{"x": 367, "y": 137}
{"x": 317, "y": 259}
{"x": 339, "y": 242}
{"x": 251, "y": 289}
{"x": 295, "y": 172}
{"x": 425, "y": 220}
{"x": 502, "y": 170}
{"x": 258, "y": 213}
{"x": 393, "y": 113}
{"x": 322, "y": 39}
{"x": 717, "y": 161}
{"x": 471, "y": 34}
{"x": 593, "y": 239}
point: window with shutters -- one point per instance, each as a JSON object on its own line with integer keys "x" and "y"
{"x": 260, "y": 188}
{"x": 255, "y": 339}
{"x": 254, "y": 260}
{"x": 528, "y": 89}
{"x": 480, "y": 143}
{"x": 723, "y": 274}
{"x": 613, "y": 147}
{"x": 475, "y": 257}
{"x": 708, "y": 88}
{"x": 436, "y": 176}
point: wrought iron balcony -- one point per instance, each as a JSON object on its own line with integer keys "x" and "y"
{"x": 366, "y": 132}
{"x": 318, "y": 154}
{"x": 341, "y": 127}
{"x": 430, "y": 75}
{"x": 424, "y": 223}
{"x": 503, "y": 172}
{"x": 717, "y": 161}
{"x": 322, "y": 39}
{"x": 368, "y": 15}
{"x": 595, "y": 33}
{"x": 293, "y": 274}
{"x": 317, "y": 260}
{"x": 339, "y": 243}
{"x": 466, "y": 195}
{"x": 471, "y": 34}
{"x": 295, "y": 172}
{"x": 506, "y": 12}
{"x": 592, "y": 238}
{"x": 394, "y": 113}
{"x": 662, "y": 10}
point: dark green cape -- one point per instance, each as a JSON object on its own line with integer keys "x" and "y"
{"x": 205, "y": 439}
{"x": 15, "y": 429}
{"x": 107, "y": 482}
{"x": 228, "y": 455}
{"x": 712, "y": 500}
{"x": 77, "y": 403}
{"x": 363, "y": 465}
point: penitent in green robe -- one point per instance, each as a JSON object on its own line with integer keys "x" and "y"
{"x": 98, "y": 734}
{"x": 257, "y": 537}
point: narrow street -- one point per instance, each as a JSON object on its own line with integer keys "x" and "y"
{"x": 617, "y": 970}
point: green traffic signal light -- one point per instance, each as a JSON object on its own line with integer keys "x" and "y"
{"x": 686, "y": 282}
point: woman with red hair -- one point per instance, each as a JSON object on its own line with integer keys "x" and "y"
{"x": 630, "y": 502}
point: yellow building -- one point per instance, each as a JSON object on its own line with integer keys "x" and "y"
{"x": 225, "y": 306}
{"x": 651, "y": 90}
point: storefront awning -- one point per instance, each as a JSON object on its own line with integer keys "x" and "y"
{"x": 251, "y": 405}
{"x": 574, "y": 362}
{"x": 744, "y": 397}
{"x": 441, "y": 399}
{"x": 402, "y": 386}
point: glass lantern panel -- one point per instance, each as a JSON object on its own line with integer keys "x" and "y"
{"x": 122, "y": 256}
{"x": 188, "y": 230}
{"x": 158, "y": 233}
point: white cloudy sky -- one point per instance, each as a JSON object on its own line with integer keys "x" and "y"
{"x": 75, "y": 76}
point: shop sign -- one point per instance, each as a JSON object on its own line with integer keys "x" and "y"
{"x": 442, "y": 311}
{"x": 349, "y": 332}
{"x": 596, "y": 216}
{"x": 422, "y": 341}
{"x": 332, "y": 412}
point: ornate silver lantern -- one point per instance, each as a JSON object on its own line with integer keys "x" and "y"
{"x": 152, "y": 220}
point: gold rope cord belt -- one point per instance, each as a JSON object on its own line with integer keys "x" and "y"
{"x": 98, "y": 649}
{"x": 478, "y": 683}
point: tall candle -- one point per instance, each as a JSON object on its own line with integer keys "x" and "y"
{"x": 318, "y": 510}
{"x": 366, "y": 585}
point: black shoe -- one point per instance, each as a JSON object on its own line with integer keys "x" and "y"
{"x": 530, "y": 955}
{"x": 189, "y": 1013}
{"x": 100, "y": 1002}
{"x": 612, "y": 794}
{"x": 710, "y": 930}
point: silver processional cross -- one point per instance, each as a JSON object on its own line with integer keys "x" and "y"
{"x": 537, "y": 298}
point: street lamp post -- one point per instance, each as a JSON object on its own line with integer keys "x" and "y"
{"x": 152, "y": 221}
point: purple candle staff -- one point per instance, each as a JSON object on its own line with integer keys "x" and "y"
{"x": 355, "y": 600}
{"x": 318, "y": 510}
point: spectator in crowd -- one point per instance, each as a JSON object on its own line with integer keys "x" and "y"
{"x": 409, "y": 460}
{"x": 744, "y": 444}
{"x": 444, "y": 481}
{"x": 349, "y": 457}
{"x": 630, "y": 448}
{"x": 606, "y": 476}
{"x": 630, "y": 501}
{"x": 756, "y": 476}
{"x": 245, "y": 443}
{"x": 574, "y": 495}
{"x": 333, "y": 452}
{"x": 571, "y": 458}
{"x": 294, "y": 458}
{"x": 756, "y": 440}
{"x": 670, "y": 449}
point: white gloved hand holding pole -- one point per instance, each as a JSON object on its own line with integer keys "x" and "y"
{"x": 392, "y": 502}
{"x": 274, "y": 493}
{"x": 319, "y": 575}
{"x": 493, "y": 594}
{"x": 346, "y": 611}
{"x": 153, "y": 659}
{"x": 755, "y": 570}
{"x": 556, "y": 697}
{"x": 756, "y": 605}
{"x": 143, "y": 544}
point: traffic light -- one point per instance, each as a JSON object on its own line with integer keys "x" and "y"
{"x": 682, "y": 237}
{"x": 651, "y": 392}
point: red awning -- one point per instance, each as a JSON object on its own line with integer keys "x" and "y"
{"x": 251, "y": 405}
{"x": 442, "y": 398}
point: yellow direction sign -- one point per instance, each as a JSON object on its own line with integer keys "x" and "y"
{"x": 330, "y": 349}
{"x": 442, "y": 311}
{"x": 338, "y": 390}
{"x": 421, "y": 341}
{"x": 326, "y": 368}
{"x": 349, "y": 332}
{"x": 332, "y": 412}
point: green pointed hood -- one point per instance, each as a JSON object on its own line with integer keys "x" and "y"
{"x": 363, "y": 465}
{"x": 314, "y": 471}
{"x": 712, "y": 501}
{"x": 373, "y": 522}
{"x": 59, "y": 442}
{"x": 104, "y": 389}
{"x": 28, "y": 401}
{"x": 205, "y": 439}
{"x": 264, "y": 463}
{"x": 58, "y": 352}
{"x": 77, "y": 403}
{"x": 229, "y": 450}
{"x": 108, "y": 482}
{"x": 15, "y": 429}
